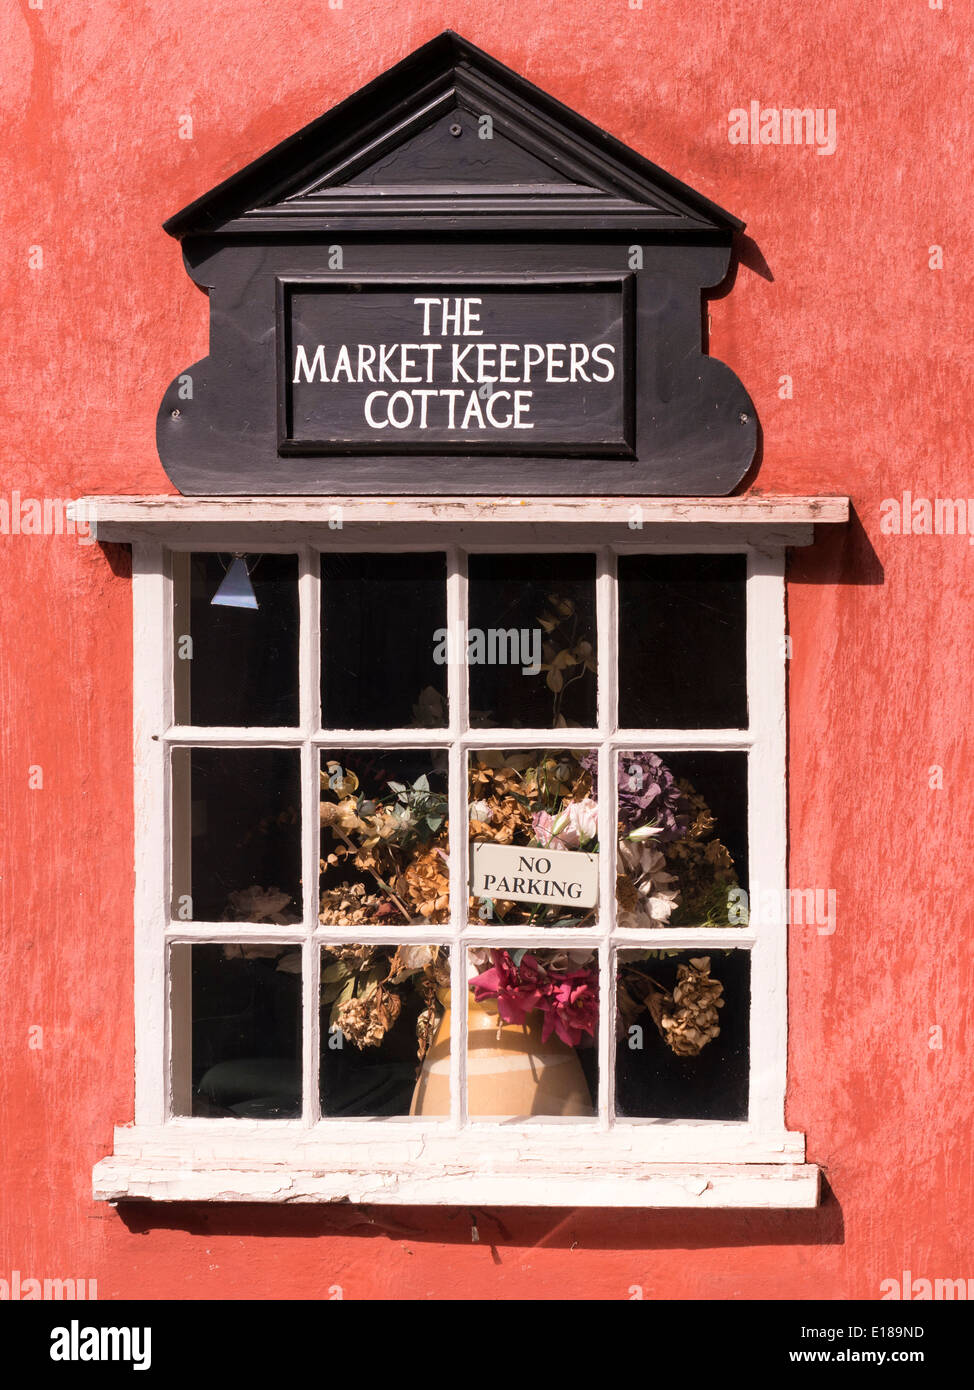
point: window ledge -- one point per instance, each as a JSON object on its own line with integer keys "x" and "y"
{"x": 121, "y": 518}
{"x": 504, "y": 1168}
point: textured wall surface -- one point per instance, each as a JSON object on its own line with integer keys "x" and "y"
{"x": 835, "y": 289}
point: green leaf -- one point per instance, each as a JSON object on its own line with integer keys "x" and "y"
{"x": 369, "y": 979}
{"x": 347, "y": 991}
{"x": 421, "y": 784}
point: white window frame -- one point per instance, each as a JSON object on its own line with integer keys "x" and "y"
{"x": 756, "y": 1162}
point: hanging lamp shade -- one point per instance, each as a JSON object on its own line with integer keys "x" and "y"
{"x": 236, "y": 590}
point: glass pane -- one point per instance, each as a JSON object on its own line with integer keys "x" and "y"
{"x": 236, "y": 835}
{"x": 384, "y": 837}
{"x": 382, "y": 1030}
{"x": 383, "y": 641}
{"x": 682, "y": 1024}
{"x": 682, "y": 652}
{"x": 235, "y": 666}
{"x": 532, "y": 1030}
{"x": 682, "y": 840}
{"x": 531, "y": 641}
{"x": 534, "y": 837}
{"x": 236, "y": 1030}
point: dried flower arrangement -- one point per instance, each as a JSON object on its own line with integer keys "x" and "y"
{"x": 685, "y": 1016}
{"x": 672, "y": 870}
{"x": 563, "y": 986}
{"x": 365, "y": 987}
{"x": 395, "y": 843}
{"x": 389, "y": 852}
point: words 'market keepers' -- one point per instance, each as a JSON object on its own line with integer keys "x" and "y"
{"x": 451, "y": 283}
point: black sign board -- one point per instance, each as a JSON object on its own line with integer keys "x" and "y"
{"x": 453, "y": 284}
{"x": 540, "y": 366}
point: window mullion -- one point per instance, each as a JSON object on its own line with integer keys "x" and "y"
{"x": 457, "y": 688}
{"x": 152, "y": 621}
{"x": 309, "y": 665}
{"x": 607, "y": 610}
{"x": 309, "y": 581}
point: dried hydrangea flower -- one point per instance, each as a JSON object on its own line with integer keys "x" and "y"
{"x": 649, "y": 795}
{"x": 688, "y": 1019}
{"x": 256, "y": 904}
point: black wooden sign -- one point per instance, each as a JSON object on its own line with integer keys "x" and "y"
{"x": 451, "y": 283}
{"x": 537, "y": 366}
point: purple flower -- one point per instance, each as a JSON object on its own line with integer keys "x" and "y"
{"x": 589, "y": 762}
{"x": 648, "y": 795}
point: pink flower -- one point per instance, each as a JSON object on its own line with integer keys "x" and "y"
{"x": 574, "y": 826}
{"x": 571, "y": 1006}
{"x": 543, "y": 824}
{"x": 569, "y": 999}
{"x": 583, "y": 818}
{"x": 514, "y": 987}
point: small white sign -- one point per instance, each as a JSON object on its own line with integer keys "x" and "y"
{"x": 563, "y": 877}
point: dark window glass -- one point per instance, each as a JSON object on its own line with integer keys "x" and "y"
{"x": 236, "y": 835}
{"x": 383, "y": 628}
{"x": 680, "y": 1054}
{"x": 531, "y": 644}
{"x": 236, "y": 666}
{"x": 239, "y": 1008}
{"x": 682, "y": 652}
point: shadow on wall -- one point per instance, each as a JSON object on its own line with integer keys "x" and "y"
{"x": 596, "y": 1228}
{"x": 840, "y": 555}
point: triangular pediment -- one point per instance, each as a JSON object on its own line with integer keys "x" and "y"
{"x": 450, "y": 154}
{"x": 450, "y": 137}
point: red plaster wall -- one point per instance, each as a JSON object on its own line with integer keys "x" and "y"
{"x": 836, "y": 291}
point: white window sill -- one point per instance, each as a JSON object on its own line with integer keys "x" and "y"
{"x": 493, "y": 1165}
{"x": 765, "y": 518}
